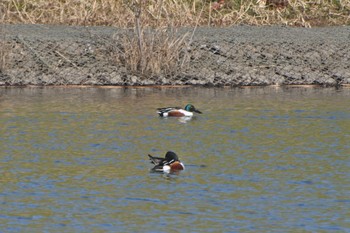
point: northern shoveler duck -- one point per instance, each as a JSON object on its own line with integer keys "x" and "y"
{"x": 177, "y": 111}
{"x": 170, "y": 163}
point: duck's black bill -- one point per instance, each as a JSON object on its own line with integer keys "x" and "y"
{"x": 197, "y": 111}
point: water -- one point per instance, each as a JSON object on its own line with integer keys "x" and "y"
{"x": 257, "y": 160}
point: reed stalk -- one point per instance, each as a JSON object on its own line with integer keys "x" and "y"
{"x": 148, "y": 51}
{"x": 157, "y": 13}
{"x": 4, "y": 49}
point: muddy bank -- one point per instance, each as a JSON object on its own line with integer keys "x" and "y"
{"x": 235, "y": 56}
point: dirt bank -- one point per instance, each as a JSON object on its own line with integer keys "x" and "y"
{"x": 240, "y": 55}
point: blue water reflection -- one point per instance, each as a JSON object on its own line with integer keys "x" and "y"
{"x": 257, "y": 160}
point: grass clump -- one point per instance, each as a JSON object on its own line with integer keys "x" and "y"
{"x": 151, "y": 51}
{"x": 3, "y": 56}
{"x": 4, "y": 50}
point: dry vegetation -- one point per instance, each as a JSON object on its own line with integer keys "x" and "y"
{"x": 181, "y": 12}
{"x": 153, "y": 53}
{"x": 154, "y": 48}
{"x": 3, "y": 56}
{"x": 4, "y": 50}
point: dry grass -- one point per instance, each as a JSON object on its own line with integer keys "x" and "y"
{"x": 3, "y": 56}
{"x": 181, "y": 12}
{"x": 5, "y": 50}
{"x": 154, "y": 48}
{"x": 148, "y": 52}
{"x": 153, "y": 53}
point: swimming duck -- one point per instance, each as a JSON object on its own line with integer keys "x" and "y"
{"x": 177, "y": 111}
{"x": 170, "y": 163}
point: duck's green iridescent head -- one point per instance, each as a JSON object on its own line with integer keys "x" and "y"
{"x": 191, "y": 108}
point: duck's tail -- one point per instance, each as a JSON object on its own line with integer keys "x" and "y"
{"x": 155, "y": 160}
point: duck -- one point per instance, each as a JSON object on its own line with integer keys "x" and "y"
{"x": 169, "y": 164}
{"x": 177, "y": 111}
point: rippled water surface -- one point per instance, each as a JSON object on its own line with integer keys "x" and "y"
{"x": 257, "y": 160}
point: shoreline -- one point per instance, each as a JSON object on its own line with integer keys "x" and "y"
{"x": 173, "y": 86}
{"x": 238, "y": 56}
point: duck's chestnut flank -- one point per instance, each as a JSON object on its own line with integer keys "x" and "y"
{"x": 177, "y": 111}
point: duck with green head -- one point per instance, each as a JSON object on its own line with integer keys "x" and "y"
{"x": 169, "y": 164}
{"x": 177, "y": 111}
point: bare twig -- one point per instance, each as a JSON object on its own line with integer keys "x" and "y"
{"x": 65, "y": 58}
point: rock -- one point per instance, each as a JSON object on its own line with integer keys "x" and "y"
{"x": 239, "y": 55}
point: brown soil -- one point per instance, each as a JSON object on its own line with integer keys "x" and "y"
{"x": 235, "y": 56}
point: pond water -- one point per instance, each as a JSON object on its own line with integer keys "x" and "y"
{"x": 257, "y": 160}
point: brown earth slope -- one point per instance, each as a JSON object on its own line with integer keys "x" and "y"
{"x": 234, "y": 56}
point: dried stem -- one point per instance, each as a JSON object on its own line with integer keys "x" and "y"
{"x": 157, "y": 13}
